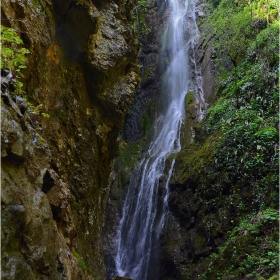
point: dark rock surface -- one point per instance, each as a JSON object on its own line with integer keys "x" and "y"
{"x": 147, "y": 94}
{"x": 121, "y": 278}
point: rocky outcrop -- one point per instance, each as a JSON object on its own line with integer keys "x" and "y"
{"x": 206, "y": 60}
{"x": 82, "y": 72}
{"x": 37, "y": 223}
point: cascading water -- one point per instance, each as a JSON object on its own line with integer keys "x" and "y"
{"x": 137, "y": 241}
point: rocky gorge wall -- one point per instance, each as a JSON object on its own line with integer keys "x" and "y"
{"x": 82, "y": 72}
{"x": 143, "y": 107}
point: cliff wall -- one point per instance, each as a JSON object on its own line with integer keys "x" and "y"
{"x": 82, "y": 72}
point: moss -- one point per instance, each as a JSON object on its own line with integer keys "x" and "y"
{"x": 145, "y": 123}
{"x": 80, "y": 260}
{"x": 191, "y": 119}
{"x": 36, "y": 4}
{"x": 43, "y": 65}
{"x": 193, "y": 158}
{"x": 199, "y": 241}
{"x": 129, "y": 153}
{"x": 146, "y": 74}
{"x": 190, "y": 99}
{"x": 62, "y": 115}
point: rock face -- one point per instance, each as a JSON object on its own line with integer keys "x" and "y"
{"x": 143, "y": 107}
{"x": 206, "y": 60}
{"x": 83, "y": 70}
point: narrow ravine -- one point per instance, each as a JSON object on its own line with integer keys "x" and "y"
{"x": 137, "y": 241}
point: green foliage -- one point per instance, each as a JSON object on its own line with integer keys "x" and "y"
{"x": 36, "y": 110}
{"x": 255, "y": 223}
{"x": 215, "y": 3}
{"x": 218, "y": 111}
{"x": 145, "y": 121}
{"x": 246, "y": 114}
{"x": 265, "y": 10}
{"x": 138, "y": 15}
{"x": 45, "y": 115}
{"x": 232, "y": 43}
{"x": 257, "y": 256}
{"x": 12, "y": 55}
{"x": 142, "y": 8}
{"x": 82, "y": 264}
{"x": 36, "y": 4}
{"x": 129, "y": 152}
{"x": 233, "y": 25}
{"x": 13, "y": 59}
{"x": 274, "y": 277}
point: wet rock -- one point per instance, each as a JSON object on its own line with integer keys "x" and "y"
{"x": 209, "y": 82}
{"x": 7, "y": 81}
{"x": 21, "y": 104}
{"x": 5, "y": 98}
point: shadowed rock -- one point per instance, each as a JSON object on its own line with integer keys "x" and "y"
{"x": 121, "y": 278}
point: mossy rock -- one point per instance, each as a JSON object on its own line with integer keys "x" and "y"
{"x": 194, "y": 159}
{"x": 199, "y": 241}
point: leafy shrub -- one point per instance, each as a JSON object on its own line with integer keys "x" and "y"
{"x": 12, "y": 55}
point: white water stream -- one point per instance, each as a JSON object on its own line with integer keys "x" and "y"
{"x": 137, "y": 242}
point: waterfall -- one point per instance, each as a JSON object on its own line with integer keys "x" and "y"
{"x": 137, "y": 241}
